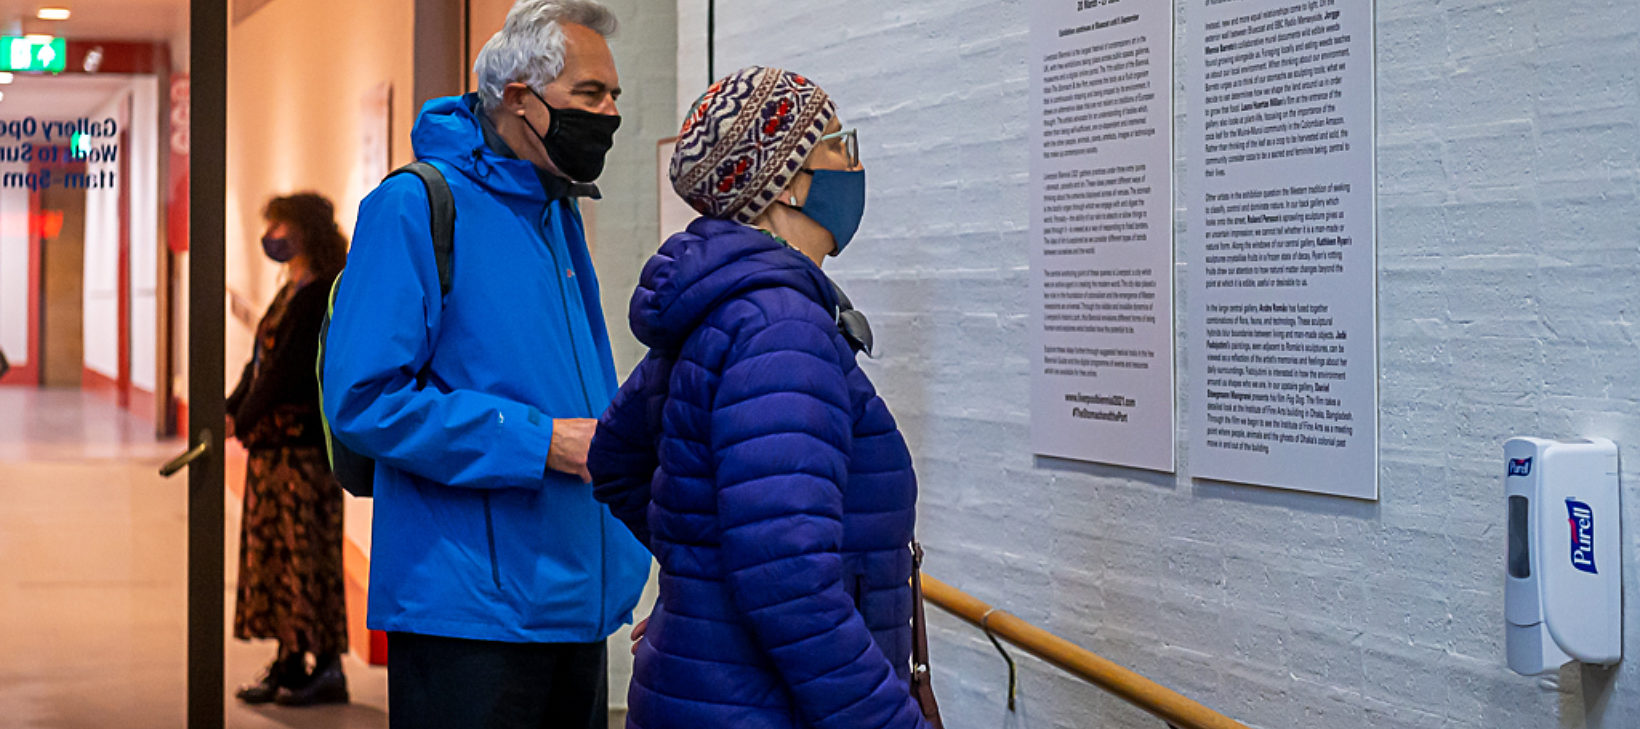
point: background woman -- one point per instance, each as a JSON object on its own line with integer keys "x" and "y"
{"x": 749, "y": 451}
{"x": 290, "y": 542}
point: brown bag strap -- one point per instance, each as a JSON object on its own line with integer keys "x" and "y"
{"x": 921, "y": 686}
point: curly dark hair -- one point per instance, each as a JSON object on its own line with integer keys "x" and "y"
{"x": 312, "y": 221}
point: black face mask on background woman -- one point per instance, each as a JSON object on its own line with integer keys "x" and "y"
{"x": 278, "y": 250}
{"x": 577, "y": 141}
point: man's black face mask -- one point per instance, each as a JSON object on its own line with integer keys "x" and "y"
{"x": 577, "y": 141}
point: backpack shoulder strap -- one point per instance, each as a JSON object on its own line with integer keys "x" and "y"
{"x": 441, "y": 206}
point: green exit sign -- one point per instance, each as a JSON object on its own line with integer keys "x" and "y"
{"x": 33, "y": 54}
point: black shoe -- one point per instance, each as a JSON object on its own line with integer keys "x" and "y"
{"x": 261, "y": 692}
{"x": 328, "y": 685}
{"x": 266, "y": 689}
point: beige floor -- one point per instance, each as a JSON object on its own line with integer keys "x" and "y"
{"x": 93, "y": 580}
{"x": 93, "y": 587}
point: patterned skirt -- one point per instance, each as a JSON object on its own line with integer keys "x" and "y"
{"x": 290, "y": 552}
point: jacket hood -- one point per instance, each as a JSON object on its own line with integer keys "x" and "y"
{"x": 709, "y": 263}
{"x": 450, "y": 131}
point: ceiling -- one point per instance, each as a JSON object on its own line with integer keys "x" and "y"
{"x": 134, "y": 20}
{"x": 55, "y": 98}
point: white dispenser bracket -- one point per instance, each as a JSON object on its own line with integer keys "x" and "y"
{"x": 1564, "y": 592}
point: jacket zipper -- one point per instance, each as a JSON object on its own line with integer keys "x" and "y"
{"x": 489, "y": 532}
{"x": 575, "y": 352}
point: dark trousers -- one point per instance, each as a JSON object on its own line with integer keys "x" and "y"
{"x": 450, "y": 683}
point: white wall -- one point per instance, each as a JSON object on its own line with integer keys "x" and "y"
{"x": 1509, "y": 215}
{"x": 102, "y": 255}
{"x": 627, "y": 226}
{"x": 14, "y": 272}
{"x": 692, "y": 67}
{"x": 143, "y": 145}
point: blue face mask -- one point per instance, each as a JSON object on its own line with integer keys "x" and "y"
{"x": 837, "y": 201}
{"x": 279, "y": 249}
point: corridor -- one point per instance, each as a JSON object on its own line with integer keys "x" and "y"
{"x": 93, "y": 579}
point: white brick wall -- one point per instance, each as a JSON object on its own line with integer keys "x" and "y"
{"x": 627, "y": 227}
{"x": 1509, "y": 221}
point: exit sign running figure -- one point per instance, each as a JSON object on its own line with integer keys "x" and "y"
{"x": 33, "y": 54}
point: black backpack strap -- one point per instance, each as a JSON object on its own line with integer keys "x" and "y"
{"x": 441, "y": 208}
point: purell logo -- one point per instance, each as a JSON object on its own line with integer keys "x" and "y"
{"x": 1582, "y": 521}
{"x": 1520, "y": 466}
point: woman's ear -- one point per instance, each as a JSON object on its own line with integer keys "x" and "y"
{"x": 795, "y": 192}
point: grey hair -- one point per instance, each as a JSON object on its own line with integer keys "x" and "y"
{"x": 529, "y": 48}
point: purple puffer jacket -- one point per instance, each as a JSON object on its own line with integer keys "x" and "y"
{"x": 754, "y": 458}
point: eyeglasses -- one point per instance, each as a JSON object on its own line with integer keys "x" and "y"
{"x": 851, "y": 145}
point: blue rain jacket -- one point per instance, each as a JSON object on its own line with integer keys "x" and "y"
{"x": 473, "y": 536}
{"x": 753, "y": 456}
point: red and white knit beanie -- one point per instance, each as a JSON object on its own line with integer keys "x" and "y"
{"x": 745, "y": 139}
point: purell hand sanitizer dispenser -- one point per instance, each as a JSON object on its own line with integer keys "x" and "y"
{"x": 1564, "y": 597}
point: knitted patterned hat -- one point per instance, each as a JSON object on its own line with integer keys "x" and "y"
{"x": 745, "y": 139}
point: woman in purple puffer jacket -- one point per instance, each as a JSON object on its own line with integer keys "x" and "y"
{"x": 749, "y": 451}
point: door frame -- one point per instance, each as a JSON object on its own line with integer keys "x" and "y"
{"x": 40, "y": 234}
{"x": 125, "y": 289}
{"x": 207, "y": 228}
{"x": 32, "y": 374}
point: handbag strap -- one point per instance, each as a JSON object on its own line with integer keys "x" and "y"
{"x": 922, "y": 689}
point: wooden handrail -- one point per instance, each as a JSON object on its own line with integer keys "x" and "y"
{"x": 1165, "y": 703}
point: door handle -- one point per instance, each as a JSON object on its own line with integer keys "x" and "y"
{"x": 195, "y": 453}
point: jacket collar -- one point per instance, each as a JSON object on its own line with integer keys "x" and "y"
{"x": 711, "y": 262}
{"x": 451, "y": 129}
{"x": 557, "y": 188}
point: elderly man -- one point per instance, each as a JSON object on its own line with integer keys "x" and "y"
{"x": 495, "y": 573}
